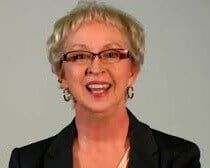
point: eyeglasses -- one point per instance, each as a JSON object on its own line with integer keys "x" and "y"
{"x": 106, "y": 56}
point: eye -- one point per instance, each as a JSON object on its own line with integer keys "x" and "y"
{"x": 111, "y": 54}
{"x": 77, "y": 56}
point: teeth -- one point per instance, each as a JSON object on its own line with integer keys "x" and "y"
{"x": 97, "y": 91}
{"x": 98, "y": 86}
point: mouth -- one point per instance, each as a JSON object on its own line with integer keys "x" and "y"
{"x": 98, "y": 89}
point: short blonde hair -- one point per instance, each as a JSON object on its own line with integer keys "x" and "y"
{"x": 93, "y": 11}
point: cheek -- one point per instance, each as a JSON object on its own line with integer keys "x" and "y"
{"x": 73, "y": 75}
{"x": 121, "y": 75}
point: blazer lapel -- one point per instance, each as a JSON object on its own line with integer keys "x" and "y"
{"x": 143, "y": 148}
{"x": 59, "y": 153}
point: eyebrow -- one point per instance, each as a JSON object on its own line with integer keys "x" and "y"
{"x": 85, "y": 47}
{"x": 112, "y": 45}
{"x": 82, "y": 46}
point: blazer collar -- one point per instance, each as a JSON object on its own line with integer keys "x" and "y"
{"x": 59, "y": 153}
{"x": 143, "y": 149}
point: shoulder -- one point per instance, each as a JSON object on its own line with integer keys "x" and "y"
{"x": 37, "y": 147}
{"x": 34, "y": 155}
{"x": 171, "y": 151}
{"x": 162, "y": 140}
{"x": 174, "y": 149}
{"x": 166, "y": 141}
{"x": 30, "y": 154}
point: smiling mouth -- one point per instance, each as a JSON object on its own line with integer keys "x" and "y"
{"x": 98, "y": 89}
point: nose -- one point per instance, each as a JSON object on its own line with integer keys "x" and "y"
{"x": 95, "y": 66}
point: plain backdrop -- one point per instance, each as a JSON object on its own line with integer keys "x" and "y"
{"x": 172, "y": 92}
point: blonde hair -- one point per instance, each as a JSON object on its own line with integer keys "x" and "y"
{"x": 93, "y": 11}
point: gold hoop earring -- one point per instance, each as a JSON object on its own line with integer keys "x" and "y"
{"x": 67, "y": 94}
{"x": 130, "y": 92}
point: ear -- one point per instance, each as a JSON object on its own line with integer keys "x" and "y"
{"x": 135, "y": 70}
{"x": 64, "y": 83}
{"x": 61, "y": 79}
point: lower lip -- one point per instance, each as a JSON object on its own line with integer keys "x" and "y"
{"x": 99, "y": 94}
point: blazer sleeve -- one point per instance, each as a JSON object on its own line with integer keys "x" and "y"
{"x": 14, "y": 159}
{"x": 189, "y": 157}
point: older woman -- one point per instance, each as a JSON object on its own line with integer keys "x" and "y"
{"x": 96, "y": 52}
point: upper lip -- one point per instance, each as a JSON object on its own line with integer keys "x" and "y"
{"x": 97, "y": 82}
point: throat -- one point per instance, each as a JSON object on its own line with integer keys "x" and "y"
{"x": 102, "y": 128}
{"x": 101, "y": 134}
{"x": 114, "y": 152}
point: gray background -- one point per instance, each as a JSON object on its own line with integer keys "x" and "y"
{"x": 172, "y": 94}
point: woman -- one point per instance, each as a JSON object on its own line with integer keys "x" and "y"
{"x": 96, "y": 52}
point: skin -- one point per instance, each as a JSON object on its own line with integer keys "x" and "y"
{"x": 102, "y": 122}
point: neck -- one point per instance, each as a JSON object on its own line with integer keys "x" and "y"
{"x": 104, "y": 127}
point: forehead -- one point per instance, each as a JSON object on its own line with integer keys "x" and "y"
{"x": 95, "y": 36}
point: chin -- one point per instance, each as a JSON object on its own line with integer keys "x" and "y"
{"x": 95, "y": 107}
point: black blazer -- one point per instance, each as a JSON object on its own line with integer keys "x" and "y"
{"x": 148, "y": 149}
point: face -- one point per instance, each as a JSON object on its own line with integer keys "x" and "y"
{"x": 98, "y": 87}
